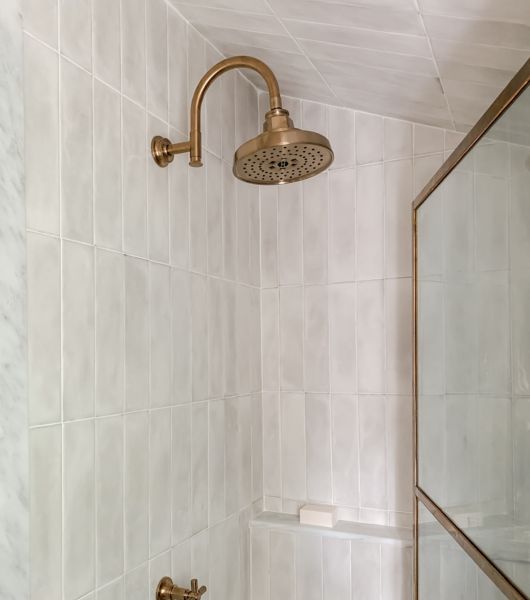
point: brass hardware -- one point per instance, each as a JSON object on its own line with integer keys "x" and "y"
{"x": 281, "y": 154}
{"x": 166, "y": 590}
{"x": 506, "y": 98}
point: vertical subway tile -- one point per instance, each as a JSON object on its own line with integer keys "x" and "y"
{"x": 243, "y": 231}
{"x": 245, "y": 449}
{"x": 318, "y": 447}
{"x": 291, "y": 338}
{"x": 398, "y": 326}
{"x": 157, "y": 58}
{"x": 41, "y": 133}
{"x": 229, "y": 339}
{"x": 158, "y": 200}
{"x": 110, "y": 332}
{"x": 396, "y": 572}
{"x": 282, "y": 564}
{"x": 199, "y": 337}
{"x": 215, "y": 338}
{"x": 398, "y": 414}
{"x": 76, "y": 31}
{"x": 316, "y": 339}
{"x": 45, "y": 512}
{"x": 228, "y": 103}
{"x": 259, "y": 543}
{"x": 107, "y": 51}
{"x": 342, "y": 226}
{"x": 213, "y": 106}
{"x": 342, "y": 301}
{"x": 159, "y": 566}
{"x": 181, "y": 335}
{"x": 232, "y": 453}
{"x": 294, "y": 485}
{"x": 181, "y": 562}
{"x": 370, "y": 337}
{"x": 315, "y": 194}
{"x": 290, "y": 234}
{"x": 366, "y": 569}
{"x": 136, "y": 489}
{"x": 200, "y": 557}
{"x": 398, "y": 220}
{"x": 272, "y": 477}
{"x": 112, "y": 591}
{"x": 199, "y": 467}
{"x": 76, "y": 152}
{"x": 372, "y": 453}
{"x": 197, "y": 59}
{"x": 78, "y": 330}
{"x": 257, "y": 446}
{"x": 136, "y": 334}
{"x": 79, "y": 509}
{"x": 134, "y": 169}
{"x": 109, "y": 499}
{"x": 160, "y": 378}
{"x": 336, "y": 560}
{"x": 41, "y": 19}
{"x": 44, "y": 329}
{"x": 214, "y": 200}
{"x": 398, "y": 139}
{"x": 270, "y": 340}
{"x": 269, "y": 236}
{"x": 133, "y": 49}
{"x": 216, "y": 461}
{"x": 428, "y": 140}
{"x": 345, "y": 450}
{"x": 229, "y": 223}
{"x": 159, "y": 475}
{"x": 369, "y": 219}
{"x": 179, "y": 213}
{"x": 178, "y": 72}
{"x": 341, "y": 135}
{"x": 254, "y": 226}
{"x": 181, "y": 473}
{"x": 242, "y": 330}
{"x": 107, "y": 168}
{"x": 369, "y": 133}
{"x": 308, "y": 566}
{"x": 198, "y": 232}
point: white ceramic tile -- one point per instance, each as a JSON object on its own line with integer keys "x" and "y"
{"x": 76, "y": 152}
{"x": 282, "y": 564}
{"x": 232, "y": 457}
{"x": 399, "y": 450}
{"x": 229, "y": 336}
{"x": 113, "y": 591}
{"x": 136, "y": 489}
{"x": 199, "y": 337}
{"x": 339, "y": 121}
{"x": 41, "y": 131}
{"x": 257, "y": 446}
{"x": 213, "y": 105}
{"x": 160, "y": 359}
{"x": 345, "y": 450}
{"x": 398, "y": 327}
{"x": 107, "y": 48}
{"x": 343, "y": 370}
{"x": 291, "y": 338}
{"x": 341, "y": 226}
{"x": 233, "y": 19}
{"x": 181, "y": 473}
{"x": 214, "y": 201}
{"x": 365, "y": 569}
{"x": 271, "y": 444}
{"x": 229, "y": 223}
{"x": 133, "y": 49}
{"x": 269, "y": 236}
{"x": 181, "y": 336}
{"x": 336, "y": 562}
{"x": 398, "y": 139}
{"x": 290, "y": 234}
{"x": 45, "y": 511}
{"x": 159, "y": 474}
{"x": 181, "y": 563}
{"x": 216, "y": 450}
{"x": 428, "y": 140}
{"x": 369, "y": 216}
{"x": 318, "y": 443}
{"x": 44, "y": 329}
{"x": 316, "y": 339}
{"x": 369, "y": 138}
{"x": 178, "y": 72}
{"x": 315, "y": 217}
{"x": 76, "y": 31}
{"x": 308, "y": 564}
{"x": 159, "y": 567}
{"x": 110, "y": 332}
{"x": 78, "y": 330}
{"x": 109, "y": 499}
{"x": 79, "y": 509}
{"x": 293, "y": 445}
{"x": 199, "y": 467}
{"x": 198, "y": 227}
{"x": 41, "y": 19}
{"x": 158, "y": 200}
{"x": 136, "y": 334}
{"x": 178, "y": 212}
{"x": 396, "y": 569}
{"x": 134, "y": 169}
{"x": 260, "y": 563}
{"x": 370, "y": 337}
{"x": 107, "y": 168}
{"x": 157, "y": 58}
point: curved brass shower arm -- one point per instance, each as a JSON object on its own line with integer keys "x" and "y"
{"x": 163, "y": 150}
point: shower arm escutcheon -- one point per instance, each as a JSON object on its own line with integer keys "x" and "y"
{"x": 167, "y": 590}
{"x": 163, "y": 150}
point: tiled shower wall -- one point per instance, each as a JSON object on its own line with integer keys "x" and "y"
{"x": 144, "y": 320}
{"x": 336, "y": 318}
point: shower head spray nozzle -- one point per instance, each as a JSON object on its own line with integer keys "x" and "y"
{"x": 281, "y": 154}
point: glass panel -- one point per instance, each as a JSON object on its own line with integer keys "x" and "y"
{"x": 474, "y": 344}
{"x": 445, "y": 571}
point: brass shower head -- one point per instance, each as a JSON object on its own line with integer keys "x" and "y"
{"x": 281, "y": 154}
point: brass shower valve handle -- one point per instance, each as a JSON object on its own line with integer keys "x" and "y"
{"x": 166, "y": 590}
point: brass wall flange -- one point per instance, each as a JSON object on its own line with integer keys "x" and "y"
{"x": 167, "y": 590}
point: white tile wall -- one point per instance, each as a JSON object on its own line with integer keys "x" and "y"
{"x": 144, "y": 310}
{"x": 336, "y": 319}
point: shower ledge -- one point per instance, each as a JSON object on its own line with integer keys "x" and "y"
{"x": 383, "y": 534}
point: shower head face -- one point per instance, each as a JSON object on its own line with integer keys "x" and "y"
{"x": 282, "y": 154}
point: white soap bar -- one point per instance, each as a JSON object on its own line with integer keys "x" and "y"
{"x": 318, "y": 514}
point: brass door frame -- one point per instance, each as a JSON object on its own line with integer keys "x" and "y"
{"x": 505, "y": 99}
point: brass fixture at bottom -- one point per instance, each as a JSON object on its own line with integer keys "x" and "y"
{"x": 167, "y": 590}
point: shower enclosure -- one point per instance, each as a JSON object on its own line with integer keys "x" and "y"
{"x": 472, "y": 375}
